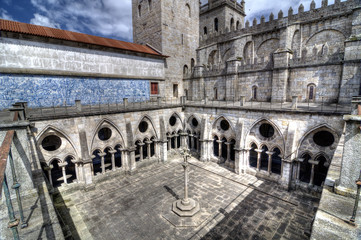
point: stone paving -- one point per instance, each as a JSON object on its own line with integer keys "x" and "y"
{"x": 239, "y": 206}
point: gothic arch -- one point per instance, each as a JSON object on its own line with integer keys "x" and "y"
{"x": 225, "y": 118}
{"x": 213, "y": 57}
{"x": 248, "y": 52}
{"x": 105, "y": 121}
{"x": 59, "y": 153}
{"x": 177, "y": 116}
{"x": 267, "y": 47}
{"x": 334, "y": 31}
{"x": 276, "y": 140}
{"x": 148, "y": 118}
{"x": 321, "y": 126}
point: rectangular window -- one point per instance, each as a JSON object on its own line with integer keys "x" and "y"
{"x": 175, "y": 90}
{"x": 154, "y": 88}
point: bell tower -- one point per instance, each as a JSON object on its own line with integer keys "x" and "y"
{"x": 172, "y": 27}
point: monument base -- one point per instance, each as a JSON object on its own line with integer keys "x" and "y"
{"x": 185, "y": 215}
{"x": 186, "y": 209}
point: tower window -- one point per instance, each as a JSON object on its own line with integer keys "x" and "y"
{"x": 150, "y": 5}
{"x": 139, "y": 10}
{"x": 189, "y": 10}
{"x": 154, "y": 88}
{"x": 205, "y": 31}
{"x": 232, "y": 24}
{"x": 254, "y": 93}
{"x": 237, "y": 25}
{"x": 311, "y": 89}
{"x": 216, "y": 24}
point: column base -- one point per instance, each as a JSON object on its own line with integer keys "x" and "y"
{"x": 184, "y": 209}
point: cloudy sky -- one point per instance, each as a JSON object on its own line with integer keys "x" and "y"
{"x": 112, "y": 18}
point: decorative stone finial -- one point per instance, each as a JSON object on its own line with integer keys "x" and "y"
{"x": 263, "y": 19}
{"x": 271, "y": 17}
{"x": 324, "y": 3}
{"x": 301, "y": 8}
{"x": 247, "y": 24}
{"x": 290, "y": 12}
{"x": 312, "y": 5}
{"x": 254, "y": 22}
{"x": 280, "y": 14}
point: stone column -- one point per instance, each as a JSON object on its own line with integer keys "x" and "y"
{"x": 299, "y": 161}
{"x": 192, "y": 141}
{"x": 169, "y": 142}
{"x": 312, "y": 171}
{"x": 148, "y": 148}
{"x": 269, "y": 153}
{"x": 175, "y": 140}
{"x": 141, "y": 151}
{"x": 163, "y": 150}
{"x": 228, "y": 151}
{"x": 112, "y": 152}
{"x": 63, "y": 165}
{"x": 125, "y": 164}
{"x": 197, "y": 143}
{"x": 131, "y": 158}
{"x": 258, "y": 158}
{"x": 246, "y": 158}
{"x": 183, "y": 139}
{"x": 219, "y": 149}
{"x": 102, "y": 155}
{"x": 238, "y": 160}
{"x": 76, "y": 163}
{"x": 156, "y": 148}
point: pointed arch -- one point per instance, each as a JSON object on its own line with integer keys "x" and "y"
{"x": 174, "y": 113}
{"x": 50, "y": 127}
{"x": 318, "y": 127}
{"x": 232, "y": 128}
{"x": 147, "y": 117}
{"x": 100, "y": 124}
{"x": 273, "y": 124}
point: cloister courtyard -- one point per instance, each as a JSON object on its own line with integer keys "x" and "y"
{"x": 138, "y": 205}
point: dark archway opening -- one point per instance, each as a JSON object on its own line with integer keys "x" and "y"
{"x": 305, "y": 169}
{"x": 253, "y": 156}
{"x": 320, "y": 171}
{"x": 276, "y": 161}
{"x": 264, "y": 159}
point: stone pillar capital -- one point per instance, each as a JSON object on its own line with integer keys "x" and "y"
{"x": 270, "y": 152}
{"x": 112, "y": 151}
{"x": 258, "y": 150}
{"x": 63, "y": 164}
{"x": 102, "y": 154}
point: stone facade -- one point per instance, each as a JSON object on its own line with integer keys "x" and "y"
{"x": 308, "y": 58}
{"x": 279, "y": 58}
{"x": 172, "y": 28}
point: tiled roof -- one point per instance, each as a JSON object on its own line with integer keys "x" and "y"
{"x": 18, "y": 27}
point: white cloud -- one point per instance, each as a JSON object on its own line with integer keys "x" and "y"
{"x": 5, "y": 15}
{"x": 109, "y": 18}
{"x": 43, "y": 21}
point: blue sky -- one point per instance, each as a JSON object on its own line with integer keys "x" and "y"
{"x": 111, "y": 18}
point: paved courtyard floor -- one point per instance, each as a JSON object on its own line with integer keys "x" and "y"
{"x": 238, "y": 206}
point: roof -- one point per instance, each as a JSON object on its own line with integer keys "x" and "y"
{"x": 36, "y": 30}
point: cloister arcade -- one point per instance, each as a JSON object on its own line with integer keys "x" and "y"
{"x": 262, "y": 151}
